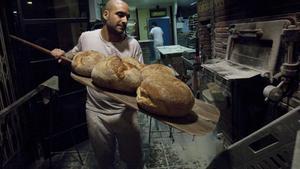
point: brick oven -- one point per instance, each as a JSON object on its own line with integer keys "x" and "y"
{"x": 257, "y": 56}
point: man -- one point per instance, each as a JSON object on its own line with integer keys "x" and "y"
{"x": 111, "y": 123}
{"x": 157, "y": 35}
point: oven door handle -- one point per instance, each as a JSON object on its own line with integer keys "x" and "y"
{"x": 255, "y": 33}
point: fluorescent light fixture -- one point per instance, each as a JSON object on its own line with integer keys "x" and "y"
{"x": 15, "y": 12}
{"x": 132, "y": 8}
{"x": 29, "y": 2}
{"x": 193, "y": 3}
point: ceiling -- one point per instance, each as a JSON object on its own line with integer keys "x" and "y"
{"x": 154, "y": 3}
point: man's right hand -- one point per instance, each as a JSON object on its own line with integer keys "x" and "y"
{"x": 58, "y": 53}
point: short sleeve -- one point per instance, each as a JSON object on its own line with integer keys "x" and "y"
{"x": 137, "y": 53}
{"x": 140, "y": 54}
{"x": 151, "y": 31}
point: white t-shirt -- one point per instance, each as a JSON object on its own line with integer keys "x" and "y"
{"x": 157, "y": 34}
{"x": 92, "y": 40}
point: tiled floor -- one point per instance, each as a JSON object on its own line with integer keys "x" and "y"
{"x": 180, "y": 151}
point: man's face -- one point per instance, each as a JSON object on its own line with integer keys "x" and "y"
{"x": 117, "y": 17}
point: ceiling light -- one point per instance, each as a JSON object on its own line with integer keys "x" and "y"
{"x": 193, "y": 3}
{"x": 29, "y": 2}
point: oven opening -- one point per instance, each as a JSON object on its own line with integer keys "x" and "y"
{"x": 251, "y": 52}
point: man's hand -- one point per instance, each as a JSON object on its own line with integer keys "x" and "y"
{"x": 58, "y": 53}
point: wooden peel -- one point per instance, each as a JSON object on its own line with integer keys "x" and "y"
{"x": 202, "y": 121}
{"x": 35, "y": 46}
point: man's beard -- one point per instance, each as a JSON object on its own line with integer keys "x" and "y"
{"x": 117, "y": 31}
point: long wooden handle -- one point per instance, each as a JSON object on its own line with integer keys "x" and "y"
{"x": 35, "y": 46}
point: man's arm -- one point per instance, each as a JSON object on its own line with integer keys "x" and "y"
{"x": 58, "y": 53}
{"x": 140, "y": 55}
{"x": 137, "y": 52}
{"x": 151, "y": 34}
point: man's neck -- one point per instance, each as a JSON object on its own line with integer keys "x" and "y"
{"x": 110, "y": 36}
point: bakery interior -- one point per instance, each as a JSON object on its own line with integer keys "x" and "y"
{"x": 240, "y": 59}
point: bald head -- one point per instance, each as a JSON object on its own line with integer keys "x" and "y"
{"x": 116, "y": 15}
{"x": 110, "y": 4}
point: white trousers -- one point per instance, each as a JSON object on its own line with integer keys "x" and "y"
{"x": 157, "y": 54}
{"x": 107, "y": 130}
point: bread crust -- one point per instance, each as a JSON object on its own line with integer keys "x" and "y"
{"x": 84, "y": 62}
{"x": 165, "y": 95}
{"x": 113, "y": 73}
{"x": 156, "y": 69}
{"x": 134, "y": 62}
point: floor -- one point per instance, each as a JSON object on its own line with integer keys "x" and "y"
{"x": 166, "y": 149}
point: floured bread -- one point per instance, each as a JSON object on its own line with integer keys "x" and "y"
{"x": 165, "y": 95}
{"x": 84, "y": 62}
{"x": 156, "y": 69}
{"x": 115, "y": 74}
{"x": 134, "y": 62}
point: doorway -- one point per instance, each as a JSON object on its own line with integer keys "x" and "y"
{"x": 165, "y": 24}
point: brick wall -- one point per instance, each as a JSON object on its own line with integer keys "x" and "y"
{"x": 227, "y": 12}
{"x": 221, "y": 13}
{"x": 204, "y": 27}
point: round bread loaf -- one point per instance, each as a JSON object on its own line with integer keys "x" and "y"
{"x": 165, "y": 95}
{"x": 113, "y": 73}
{"x": 134, "y": 62}
{"x": 157, "y": 70}
{"x": 84, "y": 62}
